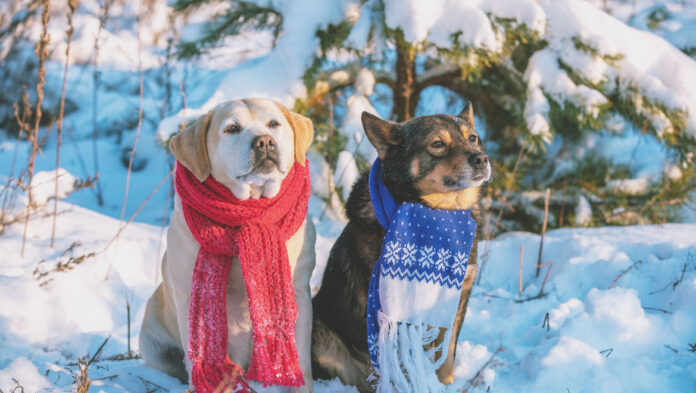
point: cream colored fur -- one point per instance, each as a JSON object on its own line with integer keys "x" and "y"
{"x": 164, "y": 333}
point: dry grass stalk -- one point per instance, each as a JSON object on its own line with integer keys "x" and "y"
{"x": 519, "y": 285}
{"x": 63, "y": 264}
{"x": 140, "y": 121}
{"x": 137, "y": 211}
{"x": 24, "y": 128}
{"x": 546, "y": 277}
{"x": 96, "y": 75}
{"x": 41, "y": 50}
{"x": 626, "y": 271}
{"x": 82, "y": 381}
{"x": 543, "y": 228}
{"x": 69, "y": 33}
{"x": 18, "y": 388}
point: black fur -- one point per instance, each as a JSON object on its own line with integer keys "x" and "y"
{"x": 339, "y": 337}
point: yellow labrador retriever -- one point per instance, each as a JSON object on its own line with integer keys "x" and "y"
{"x": 225, "y": 143}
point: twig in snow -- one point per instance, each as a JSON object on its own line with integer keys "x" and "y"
{"x": 671, "y": 348}
{"x": 17, "y": 389}
{"x": 41, "y": 50}
{"x": 636, "y": 263}
{"x": 62, "y": 266}
{"x": 673, "y": 284}
{"x": 543, "y": 229}
{"x": 69, "y": 32}
{"x": 657, "y": 309}
{"x": 477, "y": 379}
{"x": 99, "y": 350}
{"x": 546, "y": 324}
{"x": 546, "y": 277}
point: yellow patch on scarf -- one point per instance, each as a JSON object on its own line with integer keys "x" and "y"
{"x": 455, "y": 200}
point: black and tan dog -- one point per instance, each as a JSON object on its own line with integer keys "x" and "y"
{"x": 437, "y": 160}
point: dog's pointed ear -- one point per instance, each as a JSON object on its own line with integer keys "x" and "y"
{"x": 381, "y": 133}
{"x": 303, "y": 131}
{"x": 468, "y": 114}
{"x": 190, "y": 147}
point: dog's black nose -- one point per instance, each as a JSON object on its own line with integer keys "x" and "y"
{"x": 478, "y": 160}
{"x": 263, "y": 143}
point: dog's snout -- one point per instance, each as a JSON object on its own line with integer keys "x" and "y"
{"x": 263, "y": 143}
{"x": 478, "y": 160}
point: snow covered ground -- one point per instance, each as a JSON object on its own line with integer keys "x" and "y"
{"x": 616, "y": 314}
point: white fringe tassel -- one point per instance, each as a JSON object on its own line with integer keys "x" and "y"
{"x": 404, "y": 366}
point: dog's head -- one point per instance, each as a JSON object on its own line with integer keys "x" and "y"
{"x": 439, "y": 160}
{"x": 247, "y": 145}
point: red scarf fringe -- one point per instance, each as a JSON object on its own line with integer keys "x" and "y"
{"x": 255, "y": 230}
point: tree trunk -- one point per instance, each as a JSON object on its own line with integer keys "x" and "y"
{"x": 405, "y": 89}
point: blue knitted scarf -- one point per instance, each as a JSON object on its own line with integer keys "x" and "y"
{"x": 415, "y": 288}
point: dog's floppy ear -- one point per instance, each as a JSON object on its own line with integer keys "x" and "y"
{"x": 190, "y": 147}
{"x": 468, "y": 114}
{"x": 303, "y": 131}
{"x": 381, "y": 133}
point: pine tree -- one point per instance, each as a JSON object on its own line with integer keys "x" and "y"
{"x": 541, "y": 98}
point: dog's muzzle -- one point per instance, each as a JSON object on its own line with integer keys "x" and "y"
{"x": 264, "y": 154}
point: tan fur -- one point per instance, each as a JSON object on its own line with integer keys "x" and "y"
{"x": 304, "y": 133}
{"x": 164, "y": 331}
{"x": 455, "y": 200}
{"x": 189, "y": 147}
{"x": 445, "y": 137}
{"x": 415, "y": 167}
{"x": 432, "y": 182}
{"x": 465, "y": 131}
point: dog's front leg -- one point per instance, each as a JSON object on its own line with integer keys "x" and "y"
{"x": 303, "y": 295}
{"x": 303, "y": 338}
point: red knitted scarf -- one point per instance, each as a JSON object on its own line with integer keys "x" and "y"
{"x": 255, "y": 230}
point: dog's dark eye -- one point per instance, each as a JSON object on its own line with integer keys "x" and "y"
{"x": 232, "y": 129}
{"x": 437, "y": 145}
{"x": 473, "y": 138}
{"x": 273, "y": 124}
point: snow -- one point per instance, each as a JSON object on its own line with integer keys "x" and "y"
{"x": 351, "y": 127}
{"x": 346, "y": 173}
{"x": 628, "y": 186}
{"x": 22, "y": 369}
{"x": 659, "y": 71}
{"x": 43, "y": 185}
{"x": 647, "y": 311}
